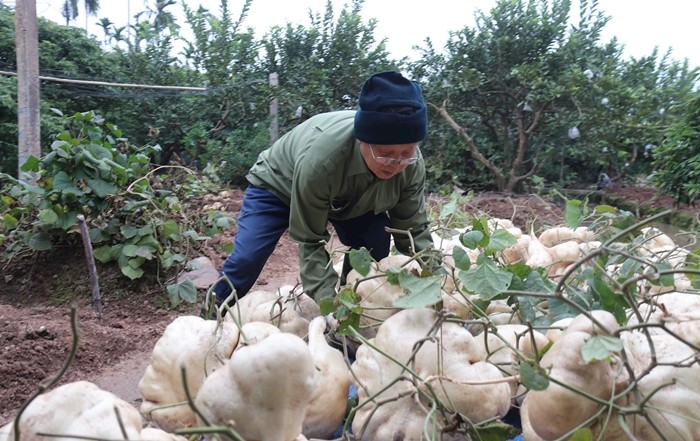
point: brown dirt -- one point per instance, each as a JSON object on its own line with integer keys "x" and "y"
{"x": 36, "y": 294}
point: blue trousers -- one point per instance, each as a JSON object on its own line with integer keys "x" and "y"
{"x": 262, "y": 221}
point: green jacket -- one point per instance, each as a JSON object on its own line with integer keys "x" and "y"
{"x": 318, "y": 170}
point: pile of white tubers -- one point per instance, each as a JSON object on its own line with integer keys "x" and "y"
{"x": 81, "y": 409}
{"x": 266, "y": 372}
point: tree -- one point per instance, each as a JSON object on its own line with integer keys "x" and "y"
{"x": 69, "y": 10}
{"x": 226, "y": 55}
{"x": 624, "y": 113}
{"x": 320, "y": 66}
{"x": 63, "y": 52}
{"x": 677, "y": 159}
{"x": 505, "y": 87}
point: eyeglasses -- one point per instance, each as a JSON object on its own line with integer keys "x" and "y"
{"x": 394, "y": 161}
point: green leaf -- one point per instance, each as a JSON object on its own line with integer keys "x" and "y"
{"x": 602, "y": 209}
{"x": 573, "y": 213}
{"x": 558, "y": 309}
{"x": 72, "y": 193}
{"x": 48, "y": 216}
{"x": 62, "y": 181}
{"x": 347, "y": 299}
{"x": 665, "y": 279}
{"x": 327, "y": 305}
{"x": 600, "y": 348}
{"x": 170, "y": 230}
{"x": 146, "y": 230}
{"x": 68, "y": 220}
{"x": 471, "y": 239}
{"x": 533, "y": 377}
{"x": 610, "y": 300}
{"x": 461, "y": 258}
{"x": 102, "y": 188}
{"x": 61, "y": 149}
{"x": 494, "y": 431}
{"x": 9, "y": 221}
{"x": 145, "y": 252}
{"x": 130, "y": 250}
{"x": 360, "y": 260}
{"x": 628, "y": 268}
{"x": 486, "y": 280}
{"x": 422, "y": 292}
{"x": 99, "y": 152}
{"x": 96, "y": 235}
{"x": 135, "y": 262}
{"x": 392, "y": 275}
{"x": 39, "y": 241}
{"x": 347, "y": 326}
{"x": 347, "y": 311}
{"x": 149, "y": 241}
{"x": 128, "y": 231}
{"x": 500, "y": 240}
{"x": 534, "y": 282}
{"x": 222, "y": 222}
{"x": 448, "y": 209}
{"x": 583, "y": 434}
{"x": 168, "y": 259}
{"x": 132, "y": 273}
{"x": 104, "y": 254}
{"x": 31, "y": 164}
{"x": 185, "y": 291}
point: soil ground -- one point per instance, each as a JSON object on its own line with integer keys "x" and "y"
{"x": 36, "y": 294}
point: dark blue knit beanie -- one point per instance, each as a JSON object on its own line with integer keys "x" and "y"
{"x": 392, "y": 110}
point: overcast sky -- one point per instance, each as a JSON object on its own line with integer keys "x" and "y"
{"x": 638, "y": 24}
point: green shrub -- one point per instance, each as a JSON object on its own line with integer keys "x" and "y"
{"x": 135, "y": 213}
{"x": 677, "y": 160}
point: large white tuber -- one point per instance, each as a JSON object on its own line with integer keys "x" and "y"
{"x": 551, "y": 413}
{"x": 669, "y": 386}
{"x": 444, "y": 358}
{"x": 376, "y": 294}
{"x": 556, "y": 235}
{"x": 457, "y": 303}
{"x": 200, "y": 347}
{"x": 678, "y": 312}
{"x": 287, "y": 309}
{"x": 263, "y": 391}
{"x": 519, "y": 252}
{"x": 506, "y": 344}
{"x": 665, "y": 392}
{"x": 74, "y": 410}
{"x": 326, "y": 409}
{"x": 538, "y": 254}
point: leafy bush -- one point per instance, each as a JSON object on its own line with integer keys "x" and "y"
{"x": 678, "y": 158}
{"x": 135, "y": 213}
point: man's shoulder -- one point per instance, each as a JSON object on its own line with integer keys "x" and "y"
{"x": 335, "y": 116}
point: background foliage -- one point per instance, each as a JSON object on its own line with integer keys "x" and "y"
{"x": 522, "y": 100}
{"x": 505, "y": 93}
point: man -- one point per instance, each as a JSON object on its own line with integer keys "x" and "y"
{"x": 359, "y": 170}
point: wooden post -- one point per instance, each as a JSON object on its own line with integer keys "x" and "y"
{"x": 274, "y": 110}
{"x": 92, "y": 268}
{"x": 27, "y": 43}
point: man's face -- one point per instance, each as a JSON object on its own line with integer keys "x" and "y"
{"x": 387, "y": 160}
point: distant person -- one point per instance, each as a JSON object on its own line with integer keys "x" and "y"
{"x": 359, "y": 170}
{"x": 604, "y": 181}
